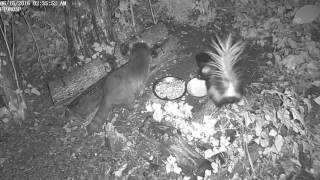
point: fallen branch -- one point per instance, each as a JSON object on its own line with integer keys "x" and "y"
{"x": 132, "y": 16}
{"x": 153, "y": 18}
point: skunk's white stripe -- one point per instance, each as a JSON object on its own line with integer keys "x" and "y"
{"x": 224, "y": 60}
{"x": 226, "y": 57}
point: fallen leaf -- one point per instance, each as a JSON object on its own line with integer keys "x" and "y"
{"x": 273, "y": 133}
{"x": 121, "y": 169}
{"x": 292, "y": 61}
{"x": 307, "y": 14}
{"x": 2, "y": 160}
{"x": 279, "y": 142}
{"x": 35, "y": 91}
{"x": 5, "y": 120}
{"x": 317, "y": 100}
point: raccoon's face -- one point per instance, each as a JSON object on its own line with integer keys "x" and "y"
{"x": 141, "y": 48}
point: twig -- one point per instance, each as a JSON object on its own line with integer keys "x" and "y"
{"x": 56, "y": 31}
{"x": 153, "y": 18}
{"x": 3, "y": 32}
{"x": 12, "y": 62}
{"x": 132, "y": 15}
{"x": 246, "y": 147}
{"x": 35, "y": 42}
{"x": 249, "y": 157}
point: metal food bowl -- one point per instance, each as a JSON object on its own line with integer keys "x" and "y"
{"x": 197, "y": 87}
{"x": 167, "y": 80}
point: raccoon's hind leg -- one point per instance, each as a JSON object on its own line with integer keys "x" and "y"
{"x": 129, "y": 102}
{"x": 100, "y": 117}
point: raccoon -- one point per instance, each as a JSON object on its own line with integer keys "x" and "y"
{"x": 122, "y": 85}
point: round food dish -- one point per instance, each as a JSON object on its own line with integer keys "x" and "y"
{"x": 197, "y": 87}
{"x": 169, "y": 88}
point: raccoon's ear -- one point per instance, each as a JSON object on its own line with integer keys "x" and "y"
{"x": 139, "y": 41}
{"x": 202, "y": 59}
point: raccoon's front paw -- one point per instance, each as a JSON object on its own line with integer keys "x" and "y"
{"x": 130, "y": 106}
{"x": 130, "y": 103}
{"x": 91, "y": 128}
{"x": 141, "y": 91}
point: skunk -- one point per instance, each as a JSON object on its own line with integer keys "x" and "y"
{"x": 220, "y": 70}
{"x": 121, "y": 85}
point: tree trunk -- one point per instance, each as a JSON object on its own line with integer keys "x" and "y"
{"x": 71, "y": 37}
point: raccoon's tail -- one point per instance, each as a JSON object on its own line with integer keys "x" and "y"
{"x": 100, "y": 117}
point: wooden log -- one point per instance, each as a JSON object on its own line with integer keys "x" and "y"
{"x": 65, "y": 90}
